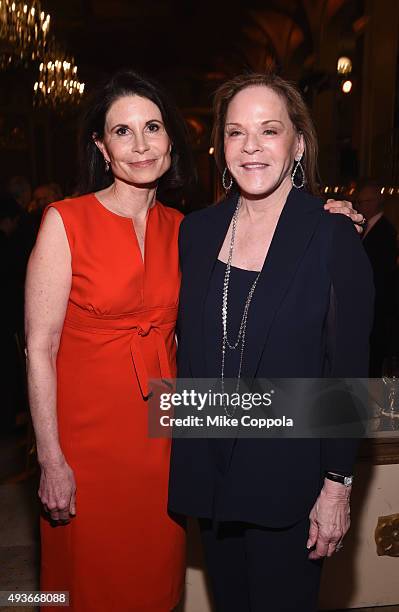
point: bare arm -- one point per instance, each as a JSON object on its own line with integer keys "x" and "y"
{"x": 48, "y": 285}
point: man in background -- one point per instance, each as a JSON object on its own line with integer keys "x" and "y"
{"x": 19, "y": 188}
{"x": 380, "y": 243}
{"x": 10, "y": 315}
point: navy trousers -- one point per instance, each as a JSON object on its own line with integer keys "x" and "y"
{"x": 256, "y": 569}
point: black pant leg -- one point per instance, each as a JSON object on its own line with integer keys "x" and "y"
{"x": 224, "y": 551}
{"x": 281, "y": 577}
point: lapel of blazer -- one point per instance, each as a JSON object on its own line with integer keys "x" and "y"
{"x": 298, "y": 221}
{"x": 294, "y": 230}
{"x": 214, "y": 234}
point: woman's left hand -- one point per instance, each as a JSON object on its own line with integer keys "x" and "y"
{"x": 329, "y": 520}
{"x": 345, "y": 208}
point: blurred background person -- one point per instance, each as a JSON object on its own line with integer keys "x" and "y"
{"x": 43, "y": 195}
{"x": 20, "y": 189}
{"x": 380, "y": 243}
{"x": 10, "y": 314}
{"x": 56, "y": 189}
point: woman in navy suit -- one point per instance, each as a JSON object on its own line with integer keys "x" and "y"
{"x": 262, "y": 272}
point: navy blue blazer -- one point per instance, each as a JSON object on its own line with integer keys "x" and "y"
{"x": 315, "y": 263}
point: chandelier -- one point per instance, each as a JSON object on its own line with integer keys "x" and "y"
{"x": 23, "y": 31}
{"x": 24, "y": 37}
{"x": 58, "y": 84}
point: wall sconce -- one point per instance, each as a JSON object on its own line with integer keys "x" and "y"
{"x": 346, "y": 87}
{"x": 344, "y": 65}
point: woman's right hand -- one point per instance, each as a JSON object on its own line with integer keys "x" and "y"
{"x": 57, "y": 490}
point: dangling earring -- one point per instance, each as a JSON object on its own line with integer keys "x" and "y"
{"x": 226, "y": 186}
{"x": 107, "y": 165}
{"x": 293, "y": 175}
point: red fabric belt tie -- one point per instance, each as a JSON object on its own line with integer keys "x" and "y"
{"x": 152, "y": 321}
{"x": 137, "y": 356}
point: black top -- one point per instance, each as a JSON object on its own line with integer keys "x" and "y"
{"x": 239, "y": 286}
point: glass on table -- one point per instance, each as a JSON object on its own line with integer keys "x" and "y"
{"x": 390, "y": 377}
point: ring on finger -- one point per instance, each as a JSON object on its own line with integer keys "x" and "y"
{"x": 362, "y": 223}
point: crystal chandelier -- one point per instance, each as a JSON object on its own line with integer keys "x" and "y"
{"x": 58, "y": 83}
{"x": 23, "y": 31}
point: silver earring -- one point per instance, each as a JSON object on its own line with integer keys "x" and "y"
{"x": 107, "y": 165}
{"x": 294, "y": 172}
{"x": 226, "y": 186}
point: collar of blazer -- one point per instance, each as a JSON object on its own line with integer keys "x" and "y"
{"x": 298, "y": 221}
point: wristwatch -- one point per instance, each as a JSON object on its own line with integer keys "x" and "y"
{"x": 345, "y": 480}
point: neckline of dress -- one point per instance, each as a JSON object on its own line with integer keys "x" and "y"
{"x": 236, "y": 268}
{"x": 114, "y": 214}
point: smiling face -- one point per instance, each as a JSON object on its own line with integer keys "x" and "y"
{"x": 135, "y": 141}
{"x": 260, "y": 141}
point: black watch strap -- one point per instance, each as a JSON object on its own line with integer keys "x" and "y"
{"x": 345, "y": 480}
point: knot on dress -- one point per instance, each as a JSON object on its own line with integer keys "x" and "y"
{"x": 154, "y": 323}
{"x": 143, "y": 329}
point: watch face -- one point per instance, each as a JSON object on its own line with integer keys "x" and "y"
{"x": 348, "y": 481}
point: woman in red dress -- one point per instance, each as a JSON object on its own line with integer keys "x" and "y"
{"x": 102, "y": 296}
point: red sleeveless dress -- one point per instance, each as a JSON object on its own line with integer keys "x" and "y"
{"x": 122, "y": 551}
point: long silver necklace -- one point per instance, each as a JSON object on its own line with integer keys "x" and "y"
{"x": 240, "y": 340}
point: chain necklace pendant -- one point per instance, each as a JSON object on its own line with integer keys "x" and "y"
{"x": 240, "y": 340}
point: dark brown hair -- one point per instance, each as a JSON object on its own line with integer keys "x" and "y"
{"x": 297, "y": 112}
{"x": 128, "y": 83}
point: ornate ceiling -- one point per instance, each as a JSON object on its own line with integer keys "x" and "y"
{"x": 177, "y": 36}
